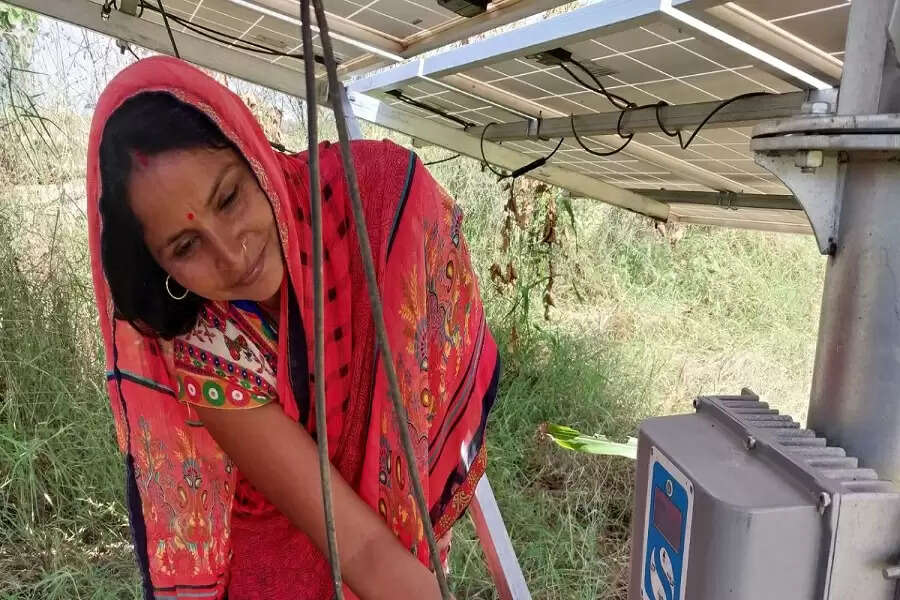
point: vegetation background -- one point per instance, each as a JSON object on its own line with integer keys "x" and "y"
{"x": 641, "y": 319}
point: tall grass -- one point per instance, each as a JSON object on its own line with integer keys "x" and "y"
{"x": 62, "y": 527}
{"x": 643, "y": 319}
{"x": 642, "y": 322}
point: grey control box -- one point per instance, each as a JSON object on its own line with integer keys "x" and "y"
{"x": 737, "y": 502}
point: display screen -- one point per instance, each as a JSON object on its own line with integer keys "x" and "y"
{"x": 667, "y": 518}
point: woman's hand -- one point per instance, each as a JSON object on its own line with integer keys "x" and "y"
{"x": 281, "y": 460}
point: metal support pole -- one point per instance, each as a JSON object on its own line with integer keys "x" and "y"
{"x": 855, "y": 398}
{"x": 353, "y": 127}
{"x": 856, "y": 383}
{"x": 498, "y": 551}
{"x": 868, "y": 84}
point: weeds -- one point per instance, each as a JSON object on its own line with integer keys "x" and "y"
{"x": 641, "y": 320}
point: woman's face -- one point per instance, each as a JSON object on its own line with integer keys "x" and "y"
{"x": 208, "y": 223}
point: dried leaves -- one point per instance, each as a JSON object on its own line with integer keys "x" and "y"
{"x": 531, "y": 222}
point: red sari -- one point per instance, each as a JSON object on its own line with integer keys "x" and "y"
{"x": 199, "y": 529}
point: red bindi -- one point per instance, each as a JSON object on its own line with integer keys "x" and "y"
{"x": 190, "y": 216}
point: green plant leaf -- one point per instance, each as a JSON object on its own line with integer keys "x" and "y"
{"x": 572, "y": 439}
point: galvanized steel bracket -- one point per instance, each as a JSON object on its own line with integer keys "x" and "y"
{"x": 808, "y": 154}
{"x": 817, "y": 189}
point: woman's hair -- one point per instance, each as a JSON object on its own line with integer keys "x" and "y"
{"x": 148, "y": 124}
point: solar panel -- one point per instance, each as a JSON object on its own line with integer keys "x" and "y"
{"x": 637, "y": 49}
{"x": 820, "y": 23}
{"x": 248, "y": 25}
{"x": 648, "y": 64}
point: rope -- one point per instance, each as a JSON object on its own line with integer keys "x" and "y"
{"x": 319, "y": 299}
{"x": 375, "y": 298}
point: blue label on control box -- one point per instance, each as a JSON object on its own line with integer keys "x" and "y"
{"x": 667, "y": 530}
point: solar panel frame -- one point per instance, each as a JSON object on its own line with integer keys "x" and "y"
{"x": 655, "y": 59}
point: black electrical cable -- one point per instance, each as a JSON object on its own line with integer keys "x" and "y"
{"x": 399, "y": 95}
{"x": 605, "y": 153}
{"x": 228, "y": 39}
{"x": 624, "y": 106}
{"x": 536, "y": 164}
{"x": 677, "y": 133}
{"x": 484, "y": 159}
{"x": 442, "y": 160}
{"x": 614, "y": 99}
{"x": 540, "y": 162}
{"x": 281, "y": 148}
{"x": 165, "y": 17}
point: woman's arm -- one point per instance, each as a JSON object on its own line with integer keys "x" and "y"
{"x": 281, "y": 460}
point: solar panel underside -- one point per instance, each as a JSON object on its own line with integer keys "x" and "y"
{"x": 388, "y": 25}
{"x": 251, "y": 26}
{"x": 656, "y": 62}
{"x": 822, "y": 23}
{"x": 660, "y": 60}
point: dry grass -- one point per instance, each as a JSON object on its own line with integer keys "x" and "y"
{"x": 642, "y": 323}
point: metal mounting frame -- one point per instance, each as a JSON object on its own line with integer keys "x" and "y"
{"x": 573, "y": 26}
{"x": 737, "y": 114}
{"x": 808, "y": 154}
{"x": 129, "y": 7}
{"x": 427, "y": 130}
{"x": 818, "y": 189}
{"x": 775, "y": 40}
{"x": 725, "y": 200}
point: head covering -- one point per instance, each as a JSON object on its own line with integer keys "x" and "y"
{"x": 180, "y": 484}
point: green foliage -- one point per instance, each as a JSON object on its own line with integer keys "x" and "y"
{"x": 14, "y": 19}
{"x": 572, "y": 439}
{"x": 63, "y": 532}
{"x": 643, "y": 318}
{"x": 25, "y": 134}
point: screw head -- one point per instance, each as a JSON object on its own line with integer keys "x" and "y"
{"x": 670, "y": 489}
{"x": 750, "y": 442}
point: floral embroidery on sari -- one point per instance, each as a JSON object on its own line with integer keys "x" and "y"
{"x": 228, "y": 361}
{"x": 445, "y": 360}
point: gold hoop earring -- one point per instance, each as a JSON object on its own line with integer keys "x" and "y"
{"x": 173, "y": 296}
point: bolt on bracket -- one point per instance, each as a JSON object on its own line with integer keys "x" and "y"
{"x": 817, "y": 186}
{"x": 809, "y": 155}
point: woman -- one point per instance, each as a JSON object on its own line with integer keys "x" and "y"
{"x": 201, "y": 242}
